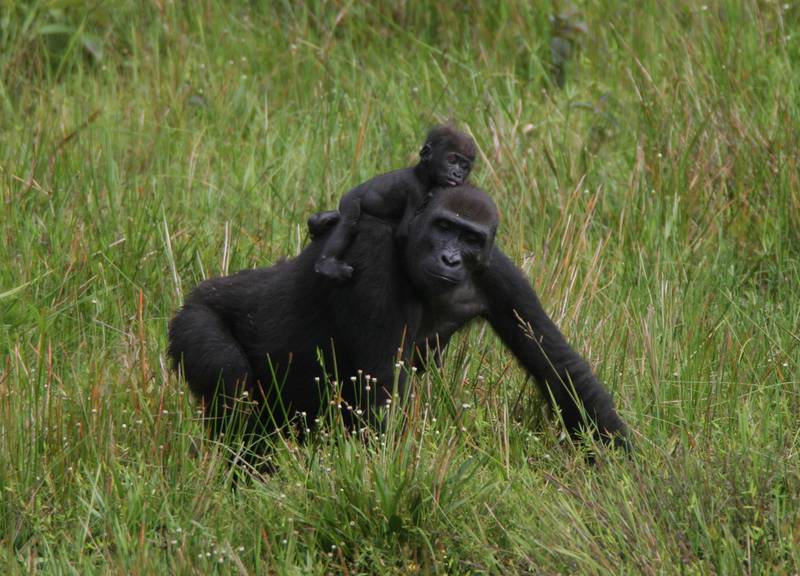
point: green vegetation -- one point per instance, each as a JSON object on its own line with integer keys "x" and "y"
{"x": 654, "y": 201}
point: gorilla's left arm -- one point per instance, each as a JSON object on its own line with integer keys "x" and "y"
{"x": 560, "y": 372}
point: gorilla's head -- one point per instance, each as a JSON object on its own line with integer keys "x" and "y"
{"x": 451, "y": 238}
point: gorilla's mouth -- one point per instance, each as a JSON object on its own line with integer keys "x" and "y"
{"x": 452, "y": 182}
{"x": 442, "y": 277}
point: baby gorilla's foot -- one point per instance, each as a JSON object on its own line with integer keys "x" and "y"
{"x": 321, "y": 223}
{"x": 333, "y": 268}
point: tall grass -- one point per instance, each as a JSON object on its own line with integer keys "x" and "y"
{"x": 654, "y": 202}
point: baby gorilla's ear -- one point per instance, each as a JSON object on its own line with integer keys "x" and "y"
{"x": 425, "y": 153}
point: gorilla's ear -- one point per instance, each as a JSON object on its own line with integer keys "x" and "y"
{"x": 425, "y": 153}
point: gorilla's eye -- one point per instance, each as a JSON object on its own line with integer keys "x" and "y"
{"x": 444, "y": 225}
{"x": 473, "y": 238}
{"x": 465, "y": 165}
{"x": 452, "y": 158}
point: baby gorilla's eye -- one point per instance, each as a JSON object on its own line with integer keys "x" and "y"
{"x": 452, "y": 158}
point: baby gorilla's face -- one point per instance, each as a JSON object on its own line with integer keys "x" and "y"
{"x": 448, "y": 155}
{"x": 452, "y": 170}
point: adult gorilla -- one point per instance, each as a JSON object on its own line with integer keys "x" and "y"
{"x": 269, "y": 331}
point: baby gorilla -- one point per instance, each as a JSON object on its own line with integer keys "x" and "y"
{"x": 445, "y": 160}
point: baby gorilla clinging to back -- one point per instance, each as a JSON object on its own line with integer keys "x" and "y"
{"x": 445, "y": 160}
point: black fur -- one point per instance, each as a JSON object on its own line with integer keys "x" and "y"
{"x": 260, "y": 330}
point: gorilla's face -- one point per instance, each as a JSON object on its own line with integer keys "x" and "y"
{"x": 450, "y": 168}
{"x": 449, "y": 159}
{"x": 451, "y": 239}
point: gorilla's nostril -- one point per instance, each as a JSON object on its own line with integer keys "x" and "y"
{"x": 450, "y": 260}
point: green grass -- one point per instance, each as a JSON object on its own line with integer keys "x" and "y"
{"x": 654, "y": 202}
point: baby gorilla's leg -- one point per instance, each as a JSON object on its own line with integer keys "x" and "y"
{"x": 320, "y": 225}
{"x": 330, "y": 263}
